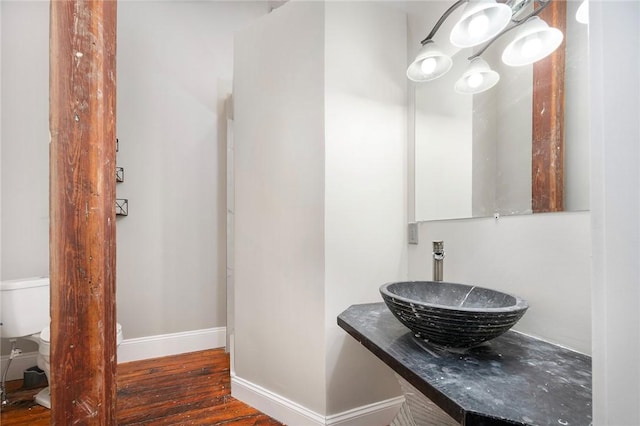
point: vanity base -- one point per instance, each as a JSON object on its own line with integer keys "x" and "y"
{"x": 419, "y": 410}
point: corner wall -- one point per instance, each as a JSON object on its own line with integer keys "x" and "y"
{"x": 365, "y": 181}
{"x": 615, "y": 218}
{"x": 279, "y": 206}
{"x": 320, "y": 149}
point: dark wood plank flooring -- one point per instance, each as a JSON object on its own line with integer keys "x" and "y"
{"x": 186, "y": 389}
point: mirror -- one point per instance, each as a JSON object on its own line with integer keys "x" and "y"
{"x": 490, "y": 153}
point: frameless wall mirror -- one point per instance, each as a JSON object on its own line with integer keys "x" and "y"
{"x": 519, "y": 146}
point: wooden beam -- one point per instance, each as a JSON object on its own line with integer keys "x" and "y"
{"x": 548, "y": 120}
{"x": 82, "y": 215}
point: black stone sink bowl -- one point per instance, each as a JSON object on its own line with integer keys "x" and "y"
{"x": 452, "y": 315}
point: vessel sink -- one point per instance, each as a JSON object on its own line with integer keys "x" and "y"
{"x": 452, "y": 315}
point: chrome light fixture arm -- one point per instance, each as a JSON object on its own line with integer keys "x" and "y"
{"x": 443, "y": 18}
{"x": 536, "y": 12}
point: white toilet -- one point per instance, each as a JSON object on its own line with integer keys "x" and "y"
{"x": 24, "y": 314}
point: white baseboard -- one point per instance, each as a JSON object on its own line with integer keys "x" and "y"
{"x": 19, "y": 364}
{"x": 274, "y": 405}
{"x": 137, "y": 349}
{"x": 171, "y": 344}
{"x": 289, "y": 412}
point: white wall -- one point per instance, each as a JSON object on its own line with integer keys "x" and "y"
{"x": 320, "y": 198}
{"x": 365, "y": 181}
{"x": 615, "y": 202}
{"x": 25, "y": 139}
{"x": 279, "y": 207}
{"x": 174, "y": 70}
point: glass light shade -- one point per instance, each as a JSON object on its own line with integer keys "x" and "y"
{"x": 478, "y": 78}
{"x": 582, "y": 14}
{"x": 533, "y": 41}
{"x": 481, "y": 20}
{"x": 430, "y": 63}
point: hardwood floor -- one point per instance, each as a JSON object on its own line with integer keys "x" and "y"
{"x": 186, "y": 389}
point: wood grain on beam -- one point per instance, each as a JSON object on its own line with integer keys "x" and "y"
{"x": 548, "y": 120}
{"x": 82, "y": 216}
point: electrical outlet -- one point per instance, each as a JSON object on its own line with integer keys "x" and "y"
{"x": 413, "y": 233}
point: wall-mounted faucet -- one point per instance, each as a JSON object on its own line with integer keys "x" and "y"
{"x": 438, "y": 260}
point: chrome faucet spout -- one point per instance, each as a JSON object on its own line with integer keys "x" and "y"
{"x": 438, "y": 260}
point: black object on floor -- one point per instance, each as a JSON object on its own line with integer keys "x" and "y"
{"x": 34, "y": 377}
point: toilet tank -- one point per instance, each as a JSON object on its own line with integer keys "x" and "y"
{"x": 24, "y": 306}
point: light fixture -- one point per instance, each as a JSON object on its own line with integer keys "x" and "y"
{"x": 481, "y": 20}
{"x": 478, "y": 78}
{"x": 484, "y": 21}
{"x": 533, "y": 41}
{"x": 430, "y": 63}
{"x": 582, "y": 14}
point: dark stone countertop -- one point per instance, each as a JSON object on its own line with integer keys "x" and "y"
{"x": 513, "y": 379}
